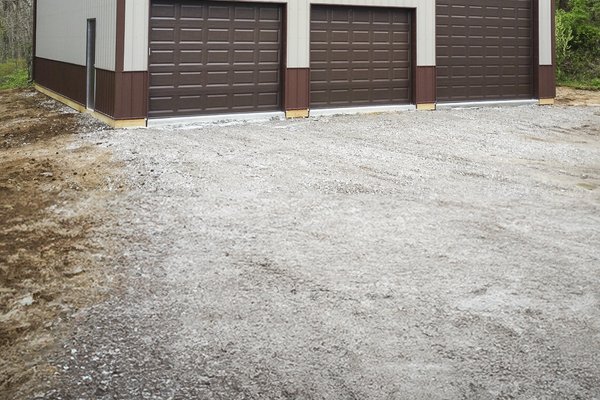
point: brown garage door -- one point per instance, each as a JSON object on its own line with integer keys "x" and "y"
{"x": 359, "y": 56}
{"x": 214, "y": 57}
{"x": 484, "y": 50}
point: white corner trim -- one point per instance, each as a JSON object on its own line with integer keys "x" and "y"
{"x": 545, "y": 32}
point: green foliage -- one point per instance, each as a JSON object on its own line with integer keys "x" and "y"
{"x": 564, "y": 37}
{"x": 14, "y": 75}
{"x": 578, "y": 43}
{"x": 590, "y": 84}
{"x": 583, "y": 18}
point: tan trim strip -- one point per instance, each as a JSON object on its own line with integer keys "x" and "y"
{"x": 296, "y": 113}
{"x": 114, "y": 123}
{"x": 426, "y": 107}
{"x": 546, "y": 102}
{"x": 61, "y": 98}
{"x": 118, "y": 123}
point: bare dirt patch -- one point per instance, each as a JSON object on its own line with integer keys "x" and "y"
{"x": 575, "y": 97}
{"x": 51, "y": 189}
{"x": 28, "y": 117}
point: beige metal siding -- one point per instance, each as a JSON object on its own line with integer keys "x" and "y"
{"x": 136, "y": 35}
{"x": 545, "y": 34}
{"x": 298, "y": 29}
{"x": 61, "y": 30}
{"x": 425, "y": 24}
{"x": 298, "y": 34}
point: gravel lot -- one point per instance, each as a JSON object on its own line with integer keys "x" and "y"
{"x": 416, "y": 255}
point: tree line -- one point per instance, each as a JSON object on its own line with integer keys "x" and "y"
{"x": 16, "y": 29}
{"x": 578, "y": 42}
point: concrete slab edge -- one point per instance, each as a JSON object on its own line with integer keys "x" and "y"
{"x": 323, "y": 112}
{"x": 216, "y": 119}
{"x": 478, "y": 104}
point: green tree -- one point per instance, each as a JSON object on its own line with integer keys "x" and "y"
{"x": 578, "y": 42}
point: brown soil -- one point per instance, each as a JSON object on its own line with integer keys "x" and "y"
{"x": 574, "y": 97}
{"x": 47, "y": 264}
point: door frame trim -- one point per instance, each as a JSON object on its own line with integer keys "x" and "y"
{"x": 90, "y": 71}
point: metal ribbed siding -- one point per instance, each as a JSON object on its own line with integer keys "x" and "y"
{"x": 298, "y": 28}
{"x": 136, "y": 35}
{"x": 61, "y": 30}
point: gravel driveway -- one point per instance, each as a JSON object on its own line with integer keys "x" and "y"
{"x": 416, "y": 255}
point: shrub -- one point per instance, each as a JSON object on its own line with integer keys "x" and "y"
{"x": 14, "y": 75}
{"x": 578, "y": 42}
{"x": 564, "y": 36}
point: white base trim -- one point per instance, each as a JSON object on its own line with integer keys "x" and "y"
{"x": 322, "y": 112}
{"x": 217, "y": 118}
{"x": 493, "y": 103}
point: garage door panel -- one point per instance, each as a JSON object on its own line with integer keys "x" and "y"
{"x": 484, "y": 50}
{"x": 243, "y": 56}
{"x": 243, "y": 100}
{"x": 191, "y": 35}
{"x": 189, "y": 103}
{"x": 339, "y": 97}
{"x": 190, "y": 79}
{"x": 265, "y": 99}
{"x": 162, "y": 80}
{"x": 271, "y": 36}
{"x": 193, "y": 11}
{"x": 401, "y": 38}
{"x": 318, "y": 14}
{"x": 267, "y": 78}
{"x": 162, "y": 34}
{"x": 360, "y": 37}
{"x": 359, "y": 56}
{"x": 163, "y": 104}
{"x": 163, "y": 11}
{"x": 321, "y": 76}
{"x": 356, "y": 85}
{"x": 162, "y": 57}
{"x": 244, "y": 13}
{"x": 400, "y": 73}
{"x": 362, "y": 96}
{"x": 214, "y": 57}
{"x": 266, "y": 14}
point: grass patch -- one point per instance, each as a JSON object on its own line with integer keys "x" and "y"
{"x": 14, "y": 75}
{"x": 584, "y": 84}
